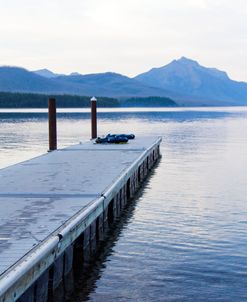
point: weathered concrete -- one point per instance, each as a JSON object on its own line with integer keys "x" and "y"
{"x": 48, "y": 202}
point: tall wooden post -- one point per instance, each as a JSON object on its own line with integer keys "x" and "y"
{"x": 52, "y": 124}
{"x": 93, "y": 117}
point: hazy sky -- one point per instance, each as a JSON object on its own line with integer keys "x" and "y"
{"x": 125, "y": 36}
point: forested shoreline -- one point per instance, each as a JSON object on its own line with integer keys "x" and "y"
{"x": 35, "y": 100}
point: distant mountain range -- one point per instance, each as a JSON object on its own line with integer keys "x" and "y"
{"x": 183, "y": 80}
{"x": 13, "y": 79}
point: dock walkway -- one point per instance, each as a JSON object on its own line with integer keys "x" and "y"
{"x": 48, "y": 202}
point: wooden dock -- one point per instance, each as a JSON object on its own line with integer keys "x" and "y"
{"x": 56, "y": 204}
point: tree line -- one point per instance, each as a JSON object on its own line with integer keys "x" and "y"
{"x": 35, "y": 100}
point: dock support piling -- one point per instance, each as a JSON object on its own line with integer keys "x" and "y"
{"x": 100, "y": 227}
{"x": 28, "y": 296}
{"x": 42, "y": 287}
{"x": 57, "y": 272}
{"x": 93, "y": 117}
{"x": 52, "y": 124}
{"x": 68, "y": 260}
{"x": 93, "y": 238}
{"x": 86, "y": 246}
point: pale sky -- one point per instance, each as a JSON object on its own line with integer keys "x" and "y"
{"x": 124, "y": 36}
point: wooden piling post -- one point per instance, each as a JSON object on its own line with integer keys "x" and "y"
{"x": 52, "y": 124}
{"x": 93, "y": 117}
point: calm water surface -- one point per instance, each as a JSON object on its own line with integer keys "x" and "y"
{"x": 184, "y": 238}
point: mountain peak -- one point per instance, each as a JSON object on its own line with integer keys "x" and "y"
{"x": 46, "y": 73}
{"x": 187, "y": 61}
{"x": 194, "y": 80}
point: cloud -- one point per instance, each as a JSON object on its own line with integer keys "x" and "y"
{"x": 125, "y": 36}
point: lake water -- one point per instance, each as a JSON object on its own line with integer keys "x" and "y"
{"x": 184, "y": 238}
